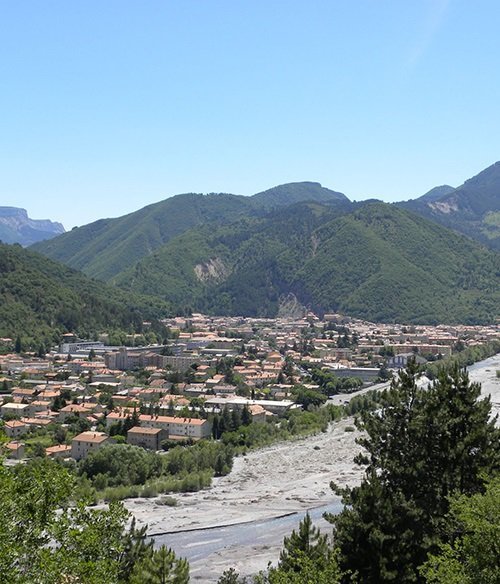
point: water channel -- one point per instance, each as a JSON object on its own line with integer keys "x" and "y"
{"x": 200, "y": 546}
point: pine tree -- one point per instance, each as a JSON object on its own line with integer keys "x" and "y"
{"x": 246, "y": 415}
{"x": 161, "y": 567}
{"x": 306, "y": 541}
{"x": 422, "y": 446}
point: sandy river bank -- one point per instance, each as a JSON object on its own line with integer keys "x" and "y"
{"x": 271, "y": 482}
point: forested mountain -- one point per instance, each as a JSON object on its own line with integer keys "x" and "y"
{"x": 436, "y": 193}
{"x": 40, "y": 299}
{"x": 472, "y": 209}
{"x": 17, "y": 227}
{"x": 106, "y": 247}
{"x": 376, "y": 262}
{"x": 296, "y": 193}
{"x": 241, "y": 255}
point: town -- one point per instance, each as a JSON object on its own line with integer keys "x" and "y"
{"x": 85, "y": 394}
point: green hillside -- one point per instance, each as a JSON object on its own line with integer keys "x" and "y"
{"x": 376, "y": 262}
{"x": 40, "y": 299}
{"x": 291, "y": 193}
{"x": 106, "y": 247}
{"x": 472, "y": 209}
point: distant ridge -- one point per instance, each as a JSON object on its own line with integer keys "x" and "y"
{"x": 371, "y": 260}
{"x": 105, "y": 248}
{"x": 291, "y": 193}
{"x": 436, "y": 193}
{"x": 17, "y": 227}
{"x": 472, "y": 208}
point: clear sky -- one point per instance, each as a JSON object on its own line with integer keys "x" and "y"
{"x": 109, "y": 105}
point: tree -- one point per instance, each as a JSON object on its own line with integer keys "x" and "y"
{"x": 306, "y": 558}
{"x": 136, "y": 548}
{"x": 421, "y": 447}
{"x": 231, "y": 576}
{"x": 161, "y": 567}
{"x": 18, "y": 346}
{"x": 308, "y": 397}
{"x": 472, "y": 555}
{"x": 307, "y": 540}
{"x": 246, "y": 415}
{"x": 44, "y": 540}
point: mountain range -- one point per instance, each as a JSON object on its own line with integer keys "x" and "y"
{"x": 472, "y": 209}
{"x": 17, "y": 227}
{"x": 230, "y": 254}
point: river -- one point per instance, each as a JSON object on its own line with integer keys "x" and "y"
{"x": 250, "y": 546}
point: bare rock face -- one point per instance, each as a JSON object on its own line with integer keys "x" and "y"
{"x": 17, "y": 227}
{"x": 214, "y": 270}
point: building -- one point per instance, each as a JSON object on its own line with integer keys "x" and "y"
{"x": 15, "y": 410}
{"x": 15, "y": 450}
{"x": 84, "y": 346}
{"x": 176, "y": 427}
{"x": 87, "y": 442}
{"x": 149, "y": 438}
{"x": 15, "y": 428}
{"x": 59, "y": 451}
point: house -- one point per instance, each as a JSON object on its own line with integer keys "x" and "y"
{"x": 59, "y": 451}
{"x": 15, "y": 428}
{"x": 185, "y": 427}
{"x": 87, "y": 442}
{"x": 15, "y": 450}
{"x": 15, "y": 410}
{"x": 401, "y": 361}
{"x": 24, "y": 394}
{"x": 72, "y": 410}
{"x": 149, "y": 438}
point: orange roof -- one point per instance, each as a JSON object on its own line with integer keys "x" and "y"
{"x": 96, "y": 437}
{"x": 171, "y": 420}
{"x": 15, "y": 424}
{"x": 58, "y": 448}
{"x": 140, "y": 430}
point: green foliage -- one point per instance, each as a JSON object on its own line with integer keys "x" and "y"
{"x": 106, "y": 247}
{"x": 161, "y": 567}
{"x": 422, "y": 446}
{"x": 472, "y": 556}
{"x": 291, "y": 193}
{"x": 120, "y": 471}
{"x": 464, "y": 358}
{"x": 296, "y": 424}
{"x": 376, "y": 262}
{"x": 44, "y": 540}
{"x": 308, "y": 397}
{"x": 475, "y": 207}
{"x": 121, "y": 464}
{"x": 40, "y": 300}
{"x": 306, "y": 541}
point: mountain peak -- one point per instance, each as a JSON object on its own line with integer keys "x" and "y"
{"x": 436, "y": 193}
{"x": 297, "y": 192}
{"x": 17, "y": 227}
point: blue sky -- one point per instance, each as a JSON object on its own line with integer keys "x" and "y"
{"x": 107, "y": 106}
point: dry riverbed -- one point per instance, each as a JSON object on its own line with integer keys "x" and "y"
{"x": 271, "y": 482}
{"x": 265, "y": 483}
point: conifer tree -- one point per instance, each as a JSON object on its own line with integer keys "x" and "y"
{"x": 161, "y": 567}
{"x": 423, "y": 445}
{"x": 306, "y": 541}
